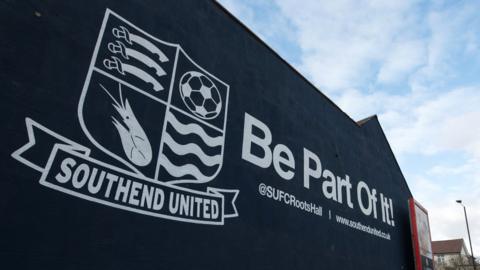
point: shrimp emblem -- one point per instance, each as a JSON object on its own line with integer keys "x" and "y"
{"x": 134, "y": 140}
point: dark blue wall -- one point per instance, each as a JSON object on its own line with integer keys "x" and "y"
{"x": 45, "y": 52}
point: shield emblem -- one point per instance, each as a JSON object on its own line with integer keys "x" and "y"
{"x": 149, "y": 106}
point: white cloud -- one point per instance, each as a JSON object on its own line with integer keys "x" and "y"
{"x": 275, "y": 30}
{"x": 453, "y": 34}
{"x": 343, "y": 42}
{"x": 353, "y": 48}
{"x": 428, "y": 125}
{"x": 433, "y": 125}
{"x": 438, "y": 192}
{"x": 401, "y": 60}
{"x": 443, "y": 123}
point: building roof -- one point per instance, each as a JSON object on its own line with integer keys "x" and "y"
{"x": 448, "y": 246}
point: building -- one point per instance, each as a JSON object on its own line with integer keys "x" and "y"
{"x": 451, "y": 254}
{"x": 296, "y": 183}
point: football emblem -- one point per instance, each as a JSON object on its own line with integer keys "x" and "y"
{"x": 137, "y": 131}
{"x": 200, "y": 95}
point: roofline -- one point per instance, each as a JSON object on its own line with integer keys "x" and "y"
{"x": 456, "y": 239}
{"x": 447, "y": 240}
{"x": 375, "y": 117}
{"x": 281, "y": 58}
{"x": 358, "y": 124}
{"x": 465, "y": 247}
{"x": 366, "y": 119}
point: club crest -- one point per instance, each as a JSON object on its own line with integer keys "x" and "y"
{"x": 162, "y": 117}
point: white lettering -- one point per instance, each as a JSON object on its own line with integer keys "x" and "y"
{"x": 66, "y": 167}
{"x": 287, "y": 161}
{"x": 264, "y": 143}
{"x": 307, "y": 170}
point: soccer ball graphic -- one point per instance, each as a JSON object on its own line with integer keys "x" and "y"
{"x": 200, "y": 95}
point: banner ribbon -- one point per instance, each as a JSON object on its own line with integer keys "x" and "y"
{"x": 69, "y": 169}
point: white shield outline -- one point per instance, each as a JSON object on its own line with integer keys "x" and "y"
{"x": 168, "y": 104}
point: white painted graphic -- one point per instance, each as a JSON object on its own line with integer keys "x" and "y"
{"x": 122, "y": 33}
{"x": 337, "y": 188}
{"x": 200, "y": 95}
{"x": 134, "y": 140}
{"x": 160, "y": 117}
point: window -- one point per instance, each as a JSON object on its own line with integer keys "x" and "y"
{"x": 441, "y": 259}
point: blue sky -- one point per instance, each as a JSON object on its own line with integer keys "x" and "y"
{"x": 416, "y": 64}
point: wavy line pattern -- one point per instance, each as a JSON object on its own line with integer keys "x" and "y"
{"x": 191, "y": 148}
{"x": 190, "y": 128}
{"x": 179, "y": 171}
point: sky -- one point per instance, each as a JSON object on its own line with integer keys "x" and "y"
{"x": 415, "y": 64}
